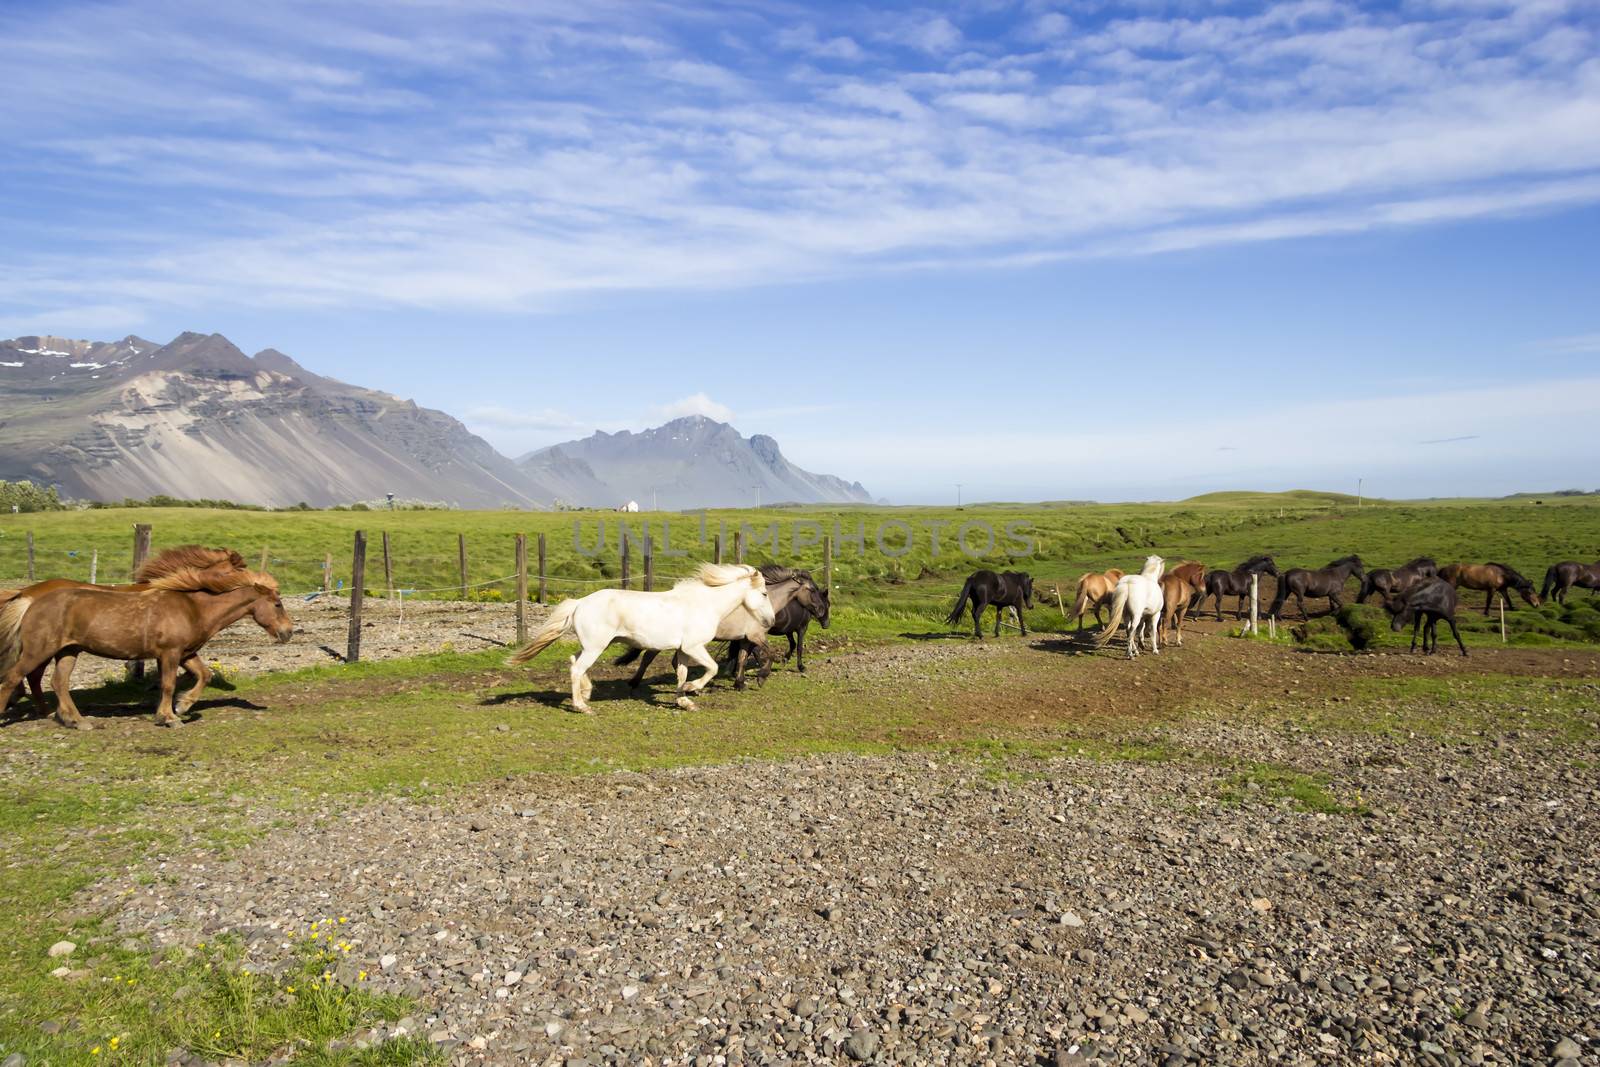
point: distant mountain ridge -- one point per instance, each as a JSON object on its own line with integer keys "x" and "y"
{"x": 198, "y": 418}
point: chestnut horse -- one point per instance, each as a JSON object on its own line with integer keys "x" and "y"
{"x": 168, "y": 562}
{"x": 1564, "y": 576}
{"x": 169, "y": 622}
{"x": 1179, "y": 587}
{"x": 1491, "y": 578}
{"x": 1095, "y": 591}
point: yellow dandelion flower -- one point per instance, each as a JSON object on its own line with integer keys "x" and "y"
{"x": 343, "y": 920}
{"x": 201, "y": 945}
{"x": 115, "y": 1041}
{"x": 362, "y": 977}
{"x": 289, "y": 988}
{"x": 133, "y": 981}
{"x": 314, "y": 936}
{"x": 95, "y": 1051}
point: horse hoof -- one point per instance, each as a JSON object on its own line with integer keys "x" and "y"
{"x": 75, "y": 724}
{"x": 173, "y": 722}
{"x": 582, "y": 709}
{"x": 686, "y": 704}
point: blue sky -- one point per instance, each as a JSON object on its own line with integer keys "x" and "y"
{"x": 1047, "y": 250}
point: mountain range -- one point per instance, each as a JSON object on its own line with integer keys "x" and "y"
{"x": 198, "y": 418}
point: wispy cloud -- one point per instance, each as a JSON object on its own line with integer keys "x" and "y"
{"x": 1579, "y": 345}
{"x": 483, "y": 155}
{"x": 1449, "y": 440}
{"x": 696, "y": 404}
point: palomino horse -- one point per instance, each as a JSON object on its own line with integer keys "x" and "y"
{"x": 1013, "y": 589}
{"x": 169, "y": 622}
{"x": 1139, "y": 599}
{"x": 1328, "y": 582}
{"x": 1235, "y": 583}
{"x": 168, "y": 562}
{"x": 1095, "y": 590}
{"x": 1179, "y": 586}
{"x": 749, "y": 637}
{"x": 1422, "y": 605}
{"x": 1564, "y": 576}
{"x": 684, "y": 617}
{"x": 1492, "y": 578}
{"x": 1387, "y": 583}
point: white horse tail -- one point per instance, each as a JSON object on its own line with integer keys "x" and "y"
{"x": 1119, "y": 606}
{"x": 11, "y": 613}
{"x": 557, "y": 626}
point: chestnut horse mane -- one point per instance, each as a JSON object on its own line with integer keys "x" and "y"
{"x": 202, "y": 580}
{"x": 185, "y": 558}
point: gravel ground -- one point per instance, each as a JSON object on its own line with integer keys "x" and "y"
{"x": 906, "y": 910}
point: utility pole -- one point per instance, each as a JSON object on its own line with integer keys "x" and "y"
{"x": 757, "y": 488}
{"x": 958, "y": 496}
{"x": 1358, "y": 493}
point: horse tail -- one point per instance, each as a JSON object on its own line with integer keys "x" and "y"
{"x": 1279, "y": 597}
{"x": 11, "y": 613}
{"x": 1119, "y": 607}
{"x": 1080, "y": 603}
{"x": 555, "y": 627}
{"x": 961, "y": 603}
{"x": 1552, "y": 578}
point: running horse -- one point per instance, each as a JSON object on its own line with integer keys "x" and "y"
{"x": 1013, "y": 589}
{"x": 1387, "y": 583}
{"x": 1234, "y": 583}
{"x": 1492, "y": 578}
{"x": 169, "y": 621}
{"x": 1179, "y": 588}
{"x": 1095, "y": 590}
{"x": 1138, "y": 599}
{"x": 1326, "y": 582}
{"x": 1562, "y": 577}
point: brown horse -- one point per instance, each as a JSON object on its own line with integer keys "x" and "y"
{"x": 1562, "y": 577}
{"x": 1492, "y": 578}
{"x": 1179, "y": 586}
{"x": 169, "y": 622}
{"x": 1095, "y": 591}
{"x": 168, "y": 562}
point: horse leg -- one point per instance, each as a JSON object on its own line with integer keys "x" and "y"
{"x": 1456, "y": 633}
{"x": 999, "y": 613}
{"x": 1416, "y": 624}
{"x": 1022, "y": 624}
{"x": 1299, "y": 598}
{"x": 1155, "y": 634}
{"x": 701, "y": 656}
{"x": 1488, "y": 603}
{"x": 67, "y": 713}
{"x": 797, "y": 643}
{"x": 36, "y": 685}
{"x": 644, "y": 664}
{"x": 168, "y": 665}
{"x": 202, "y": 678}
{"x": 738, "y": 667}
{"x": 581, "y": 686}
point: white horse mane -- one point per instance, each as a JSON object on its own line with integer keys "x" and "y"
{"x": 1153, "y": 566}
{"x": 715, "y": 574}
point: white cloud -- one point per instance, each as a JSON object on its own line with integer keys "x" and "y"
{"x": 497, "y": 417}
{"x": 696, "y": 404}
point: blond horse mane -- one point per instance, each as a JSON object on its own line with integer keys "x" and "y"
{"x": 201, "y": 580}
{"x": 724, "y": 574}
{"x": 186, "y": 558}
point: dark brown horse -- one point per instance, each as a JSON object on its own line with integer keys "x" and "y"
{"x": 1328, "y": 582}
{"x": 169, "y": 622}
{"x": 1234, "y": 583}
{"x": 810, "y": 603}
{"x": 196, "y": 557}
{"x": 1013, "y": 589}
{"x": 1492, "y": 578}
{"x": 1388, "y": 583}
{"x": 1422, "y": 605}
{"x": 1562, "y": 577}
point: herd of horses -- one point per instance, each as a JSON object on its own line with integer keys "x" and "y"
{"x": 183, "y": 597}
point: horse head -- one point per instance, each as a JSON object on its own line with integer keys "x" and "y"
{"x": 1400, "y": 612}
{"x": 269, "y": 613}
{"x": 1153, "y": 566}
{"x": 756, "y": 601}
{"x": 815, "y": 599}
{"x": 1025, "y": 580}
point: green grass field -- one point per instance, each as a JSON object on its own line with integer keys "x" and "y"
{"x": 83, "y": 807}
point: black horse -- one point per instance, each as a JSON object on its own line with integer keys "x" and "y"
{"x": 792, "y": 621}
{"x": 1423, "y": 605}
{"x": 1388, "y": 583}
{"x": 1328, "y": 582}
{"x": 1234, "y": 583}
{"x": 1562, "y": 577}
{"x": 1013, "y": 589}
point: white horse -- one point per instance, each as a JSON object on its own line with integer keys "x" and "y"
{"x": 684, "y": 617}
{"x": 1139, "y": 598}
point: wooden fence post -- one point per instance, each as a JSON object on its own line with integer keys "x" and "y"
{"x": 388, "y": 568}
{"x": 649, "y": 565}
{"x": 626, "y": 550}
{"x": 263, "y": 567}
{"x": 30, "y": 557}
{"x": 358, "y": 579}
{"x": 1255, "y": 603}
{"x": 827, "y": 563}
{"x": 541, "y": 569}
{"x": 522, "y": 588}
{"x": 1502, "y": 619}
{"x": 141, "y": 551}
{"x": 716, "y": 548}
{"x": 738, "y": 546}
{"x": 461, "y": 553}
{"x": 94, "y": 567}
{"x": 327, "y": 572}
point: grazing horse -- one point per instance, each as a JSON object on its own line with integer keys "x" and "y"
{"x": 1387, "y": 583}
{"x": 684, "y": 617}
{"x": 1235, "y": 583}
{"x": 1139, "y": 599}
{"x": 749, "y": 637}
{"x": 810, "y": 602}
{"x": 1328, "y": 582}
{"x": 169, "y": 621}
{"x": 1013, "y": 589}
{"x": 1492, "y": 578}
{"x": 1179, "y": 588}
{"x": 195, "y": 557}
{"x": 1562, "y": 577}
{"x": 1095, "y": 590}
{"x": 1423, "y": 604}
